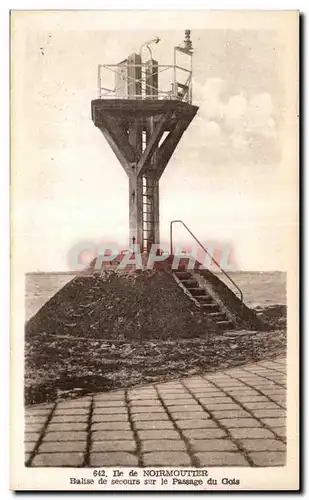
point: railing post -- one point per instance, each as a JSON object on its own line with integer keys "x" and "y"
{"x": 171, "y": 238}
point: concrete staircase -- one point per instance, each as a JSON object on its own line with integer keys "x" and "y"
{"x": 224, "y": 307}
{"x": 218, "y": 302}
{"x": 214, "y": 311}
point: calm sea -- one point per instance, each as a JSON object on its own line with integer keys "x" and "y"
{"x": 259, "y": 288}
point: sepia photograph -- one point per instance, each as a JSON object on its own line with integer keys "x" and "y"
{"x": 154, "y": 235}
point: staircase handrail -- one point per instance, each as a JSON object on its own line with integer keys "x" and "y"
{"x": 206, "y": 251}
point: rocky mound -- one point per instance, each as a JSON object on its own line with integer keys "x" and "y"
{"x": 137, "y": 305}
{"x": 275, "y": 316}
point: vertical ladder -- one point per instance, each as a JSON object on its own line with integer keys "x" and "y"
{"x": 148, "y": 213}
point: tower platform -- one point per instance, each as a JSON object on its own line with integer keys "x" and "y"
{"x": 132, "y": 111}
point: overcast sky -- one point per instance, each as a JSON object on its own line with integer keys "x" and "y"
{"x": 226, "y": 179}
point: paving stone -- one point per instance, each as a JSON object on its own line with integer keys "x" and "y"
{"x": 215, "y": 459}
{"x": 113, "y": 459}
{"x": 250, "y": 399}
{"x": 261, "y": 405}
{"x": 267, "y": 384}
{"x": 256, "y": 433}
{"x": 153, "y": 425}
{"x": 278, "y": 399}
{"x": 143, "y": 397}
{"x": 112, "y": 426}
{"x": 230, "y": 414}
{"x": 202, "y": 382}
{"x": 65, "y": 436}
{"x": 72, "y": 426}
{"x": 221, "y": 400}
{"x": 268, "y": 458}
{"x": 27, "y": 457}
{"x": 169, "y": 386}
{"x": 109, "y": 403}
{"x": 147, "y": 409}
{"x": 217, "y": 394}
{"x": 185, "y": 408}
{"x": 276, "y": 391}
{"x": 210, "y": 433}
{"x": 148, "y": 389}
{"x": 158, "y": 434}
{"x": 77, "y": 403}
{"x": 110, "y": 411}
{"x": 265, "y": 413}
{"x": 31, "y": 436}
{"x": 213, "y": 445}
{"x": 206, "y": 390}
{"x": 103, "y": 446}
{"x": 280, "y": 431}
{"x": 29, "y": 446}
{"x": 71, "y": 411}
{"x": 234, "y": 372}
{"x": 217, "y": 378}
{"x": 196, "y": 424}
{"x": 103, "y": 417}
{"x": 246, "y": 381}
{"x": 230, "y": 382}
{"x": 199, "y": 386}
{"x": 33, "y": 428}
{"x": 262, "y": 445}
{"x": 242, "y": 422}
{"x": 38, "y": 411}
{"x": 163, "y": 445}
{"x": 58, "y": 460}
{"x": 242, "y": 393}
{"x": 137, "y": 417}
{"x": 177, "y": 402}
{"x": 183, "y": 390}
{"x": 145, "y": 402}
{"x": 36, "y": 419}
{"x": 65, "y": 419}
{"x": 173, "y": 396}
{"x": 281, "y": 380}
{"x": 274, "y": 422}
{"x": 111, "y": 435}
{"x": 186, "y": 415}
{"x": 166, "y": 459}
{"x": 63, "y": 447}
{"x": 223, "y": 406}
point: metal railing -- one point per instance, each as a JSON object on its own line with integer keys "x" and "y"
{"x": 206, "y": 251}
{"x": 174, "y": 82}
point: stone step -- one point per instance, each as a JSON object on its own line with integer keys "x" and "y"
{"x": 190, "y": 283}
{"x": 204, "y": 299}
{"x": 196, "y": 292}
{"x": 183, "y": 275}
{"x": 212, "y": 307}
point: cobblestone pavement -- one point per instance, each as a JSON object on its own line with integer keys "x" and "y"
{"x": 234, "y": 417}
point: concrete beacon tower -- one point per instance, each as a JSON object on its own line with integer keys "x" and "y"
{"x": 143, "y": 117}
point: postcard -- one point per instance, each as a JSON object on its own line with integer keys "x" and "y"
{"x": 154, "y": 216}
